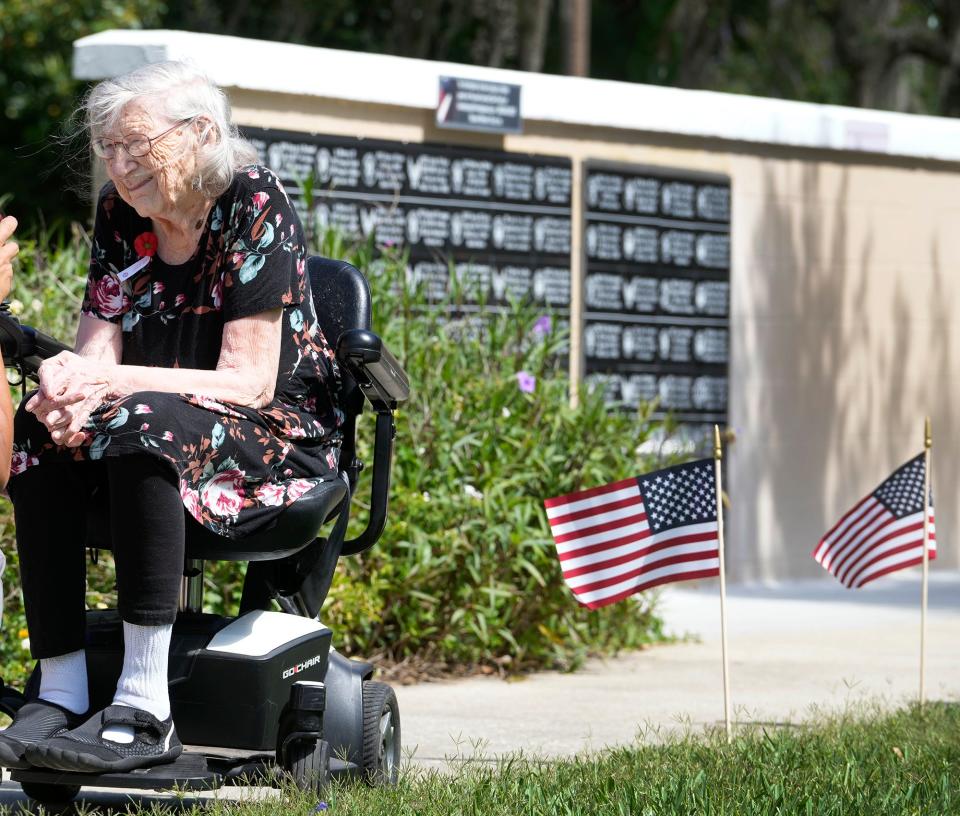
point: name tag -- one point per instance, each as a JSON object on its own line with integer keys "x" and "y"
{"x": 132, "y": 270}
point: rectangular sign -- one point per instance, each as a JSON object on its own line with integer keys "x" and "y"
{"x": 657, "y": 289}
{"x": 499, "y": 222}
{"x": 476, "y": 104}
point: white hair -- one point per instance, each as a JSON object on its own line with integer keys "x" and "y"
{"x": 175, "y": 91}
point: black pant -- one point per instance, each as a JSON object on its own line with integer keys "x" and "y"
{"x": 145, "y": 523}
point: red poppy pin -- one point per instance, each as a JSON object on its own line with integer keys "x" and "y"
{"x": 145, "y": 244}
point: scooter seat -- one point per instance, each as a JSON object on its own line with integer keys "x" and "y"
{"x": 292, "y": 530}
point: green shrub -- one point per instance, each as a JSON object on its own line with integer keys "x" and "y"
{"x": 466, "y": 572}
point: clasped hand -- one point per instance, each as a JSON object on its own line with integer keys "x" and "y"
{"x": 71, "y": 388}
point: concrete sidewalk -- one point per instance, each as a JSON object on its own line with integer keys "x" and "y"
{"x": 793, "y": 647}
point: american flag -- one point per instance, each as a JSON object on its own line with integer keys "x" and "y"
{"x": 883, "y": 533}
{"x": 637, "y": 533}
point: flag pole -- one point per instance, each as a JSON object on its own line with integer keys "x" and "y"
{"x": 927, "y": 447}
{"x": 717, "y": 458}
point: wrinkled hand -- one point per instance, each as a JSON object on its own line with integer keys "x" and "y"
{"x": 66, "y": 425}
{"x": 68, "y": 378}
{"x": 8, "y": 251}
{"x": 71, "y": 387}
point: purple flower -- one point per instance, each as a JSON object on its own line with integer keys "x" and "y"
{"x": 542, "y": 326}
{"x": 526, "y": 382}
{"x": 321, "y": 806}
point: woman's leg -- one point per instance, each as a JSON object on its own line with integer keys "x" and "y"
{"x": 147, "y": 535}
{"x": 50, "y": 502}
{"x": 147, "y": 529}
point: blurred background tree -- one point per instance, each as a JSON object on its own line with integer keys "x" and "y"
{"x": 899, "y": 55}
{"x": 38, "y": 93}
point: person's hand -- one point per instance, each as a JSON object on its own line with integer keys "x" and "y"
{"x": 67, "y": 424}
{"x": 71, "y": 388}
{"x": 66, "y": 379}
{"x": 8, "y": 251}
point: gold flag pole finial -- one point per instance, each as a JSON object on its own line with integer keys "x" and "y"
{"x": 927, "y": 435}
{"x": 717, "y": 450}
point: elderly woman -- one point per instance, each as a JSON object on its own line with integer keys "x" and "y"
{"x": 200, "y": 380}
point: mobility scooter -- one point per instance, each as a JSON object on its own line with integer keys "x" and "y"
{"x": 265, "y": 690}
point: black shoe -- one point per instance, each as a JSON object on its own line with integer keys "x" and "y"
{"x": 84, "y": 749}
{"x": 34, "y": 723}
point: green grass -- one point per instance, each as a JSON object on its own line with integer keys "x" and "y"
{"x": 902, "y": 763}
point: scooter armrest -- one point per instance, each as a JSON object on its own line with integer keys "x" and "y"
{"x": 377, "y": 373}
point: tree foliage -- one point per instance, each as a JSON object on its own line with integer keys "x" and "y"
{"x": 38, "y": 93}
{"x": 899, "y": 55}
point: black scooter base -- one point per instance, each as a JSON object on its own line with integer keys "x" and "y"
{"x": 190, "y": 771}
{"x": 193, "y": 770}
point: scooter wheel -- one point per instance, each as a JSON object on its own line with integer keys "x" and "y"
{"x": 381, "y": 734}
{"x": 47, "y": 794}
{"x": 308, "y": 762}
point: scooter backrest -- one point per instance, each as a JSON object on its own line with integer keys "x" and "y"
{"x": 341, "y": 296}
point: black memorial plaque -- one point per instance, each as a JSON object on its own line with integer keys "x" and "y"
{"x": 477, "y": 104}
{"x": 657, "y": 288}
{"x": 501, "y": 220}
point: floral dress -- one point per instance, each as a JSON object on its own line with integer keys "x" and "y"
{"x": 237, "y": 466}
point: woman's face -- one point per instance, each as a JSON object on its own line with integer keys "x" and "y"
{"x": 155, "y": 185}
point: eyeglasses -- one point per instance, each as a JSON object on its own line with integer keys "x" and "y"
{"x": 136, "y": 144}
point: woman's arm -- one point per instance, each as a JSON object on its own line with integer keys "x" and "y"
{"x": 6, "y": 433}
{"x": 72, "y": 385}
{"x": 99, "y": 340}
{"x": 8, "y": 251}
{"x": 246, "y": 371}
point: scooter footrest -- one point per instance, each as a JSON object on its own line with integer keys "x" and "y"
{"x": 188, "y": 772}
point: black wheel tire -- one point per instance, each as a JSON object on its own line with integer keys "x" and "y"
{"x": 381, "y": 734}
{"x": 308, "y": 762}
{"x": 47, "y": 794}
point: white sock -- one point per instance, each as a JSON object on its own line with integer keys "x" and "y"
{"x": 143, "y": 681}
{"x": 63, "y": 680}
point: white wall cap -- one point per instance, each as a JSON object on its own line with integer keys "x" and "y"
{"x": 258, "y": 65}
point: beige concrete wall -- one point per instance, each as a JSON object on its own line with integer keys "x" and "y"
{"x": 844, "y": 327}
{"x": 845, "y": 334}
